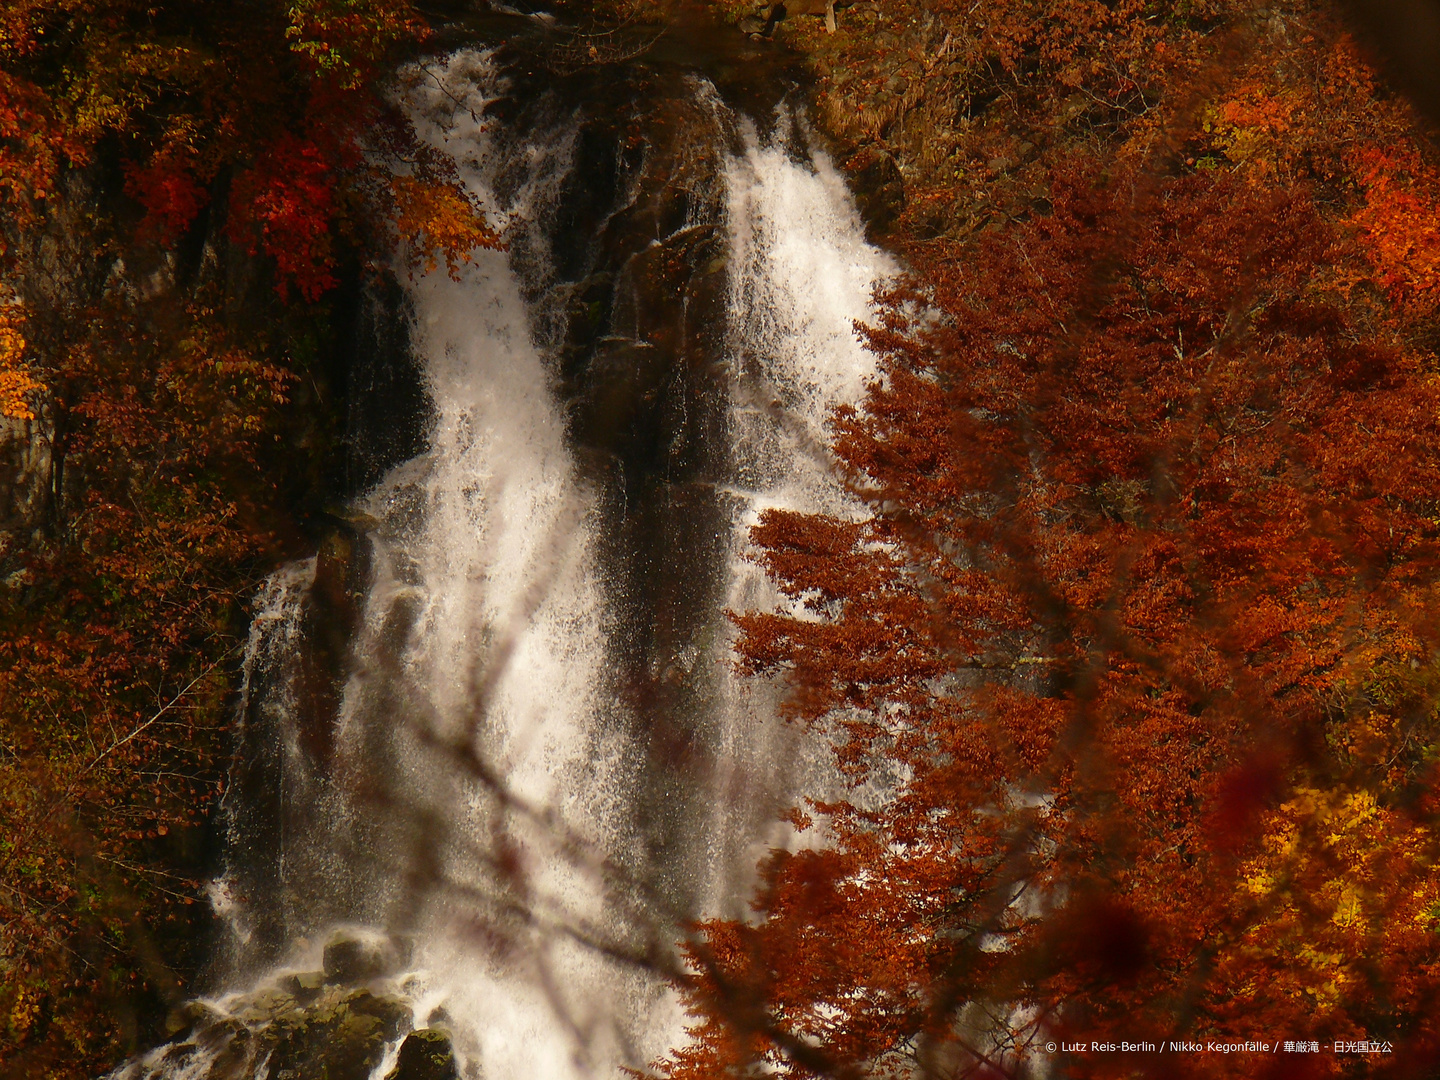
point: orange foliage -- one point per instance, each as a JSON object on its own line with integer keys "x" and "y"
{"x": 1398, "y": 223}
{"x": 441, "y": 223}
{"x": 32, "y": 149}
{"x": 16, "y": 385}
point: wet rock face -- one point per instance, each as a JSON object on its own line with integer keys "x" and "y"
{"x": 25, "y": 496}
{"x": 879, "y": 188}
{"x": 24, "y": 481}
{"x": 272, "y": 780}
{"x": 386, "y": 412}
{"x": 647, "y": 387}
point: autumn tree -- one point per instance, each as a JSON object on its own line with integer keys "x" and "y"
{"x": 1129, "y": 664}
{"x": 1130, "y": 668}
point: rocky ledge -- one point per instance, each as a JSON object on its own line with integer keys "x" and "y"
{"x": 339, "y": 1023}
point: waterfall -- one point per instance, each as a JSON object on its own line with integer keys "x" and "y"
{"x": 485, "y": 806}
{"x": 267, "y": 686}
{"x": 801, "y": 274}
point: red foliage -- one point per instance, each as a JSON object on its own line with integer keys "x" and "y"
{"x": 284, "y": 205}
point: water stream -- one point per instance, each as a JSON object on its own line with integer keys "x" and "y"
{"x": 537, "y": 762}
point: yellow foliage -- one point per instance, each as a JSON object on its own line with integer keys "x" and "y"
{"x": 25, "y": 1010}
{"x": 1323, "y": 890}
{"x": 125, "y": 77}
{"x": 1248, "y": 127}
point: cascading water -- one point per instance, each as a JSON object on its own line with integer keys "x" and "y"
{"x": 267, "y": 687}
{"x": 505, "y": 832}
{"x": 801, "y": 273}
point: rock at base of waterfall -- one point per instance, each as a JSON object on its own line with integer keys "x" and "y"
{"x": 425, "y": 1055}
{"x": 276, "y": 1032}
{"x": 191, "y": 1015}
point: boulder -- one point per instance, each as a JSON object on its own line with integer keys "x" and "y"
{"x": 392, "y": 1013}
{"x": 265, "y": 1005}
{"x": 235, "y": 1052}
{"x": 339, "y": 1038}
{"x": 301, "y": 1029}
{"x": 186, "y": 1018}
{"x": 347, "y": 1047}
{"x": 353, "y": 960}
{"x": 426, "y": 1054}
